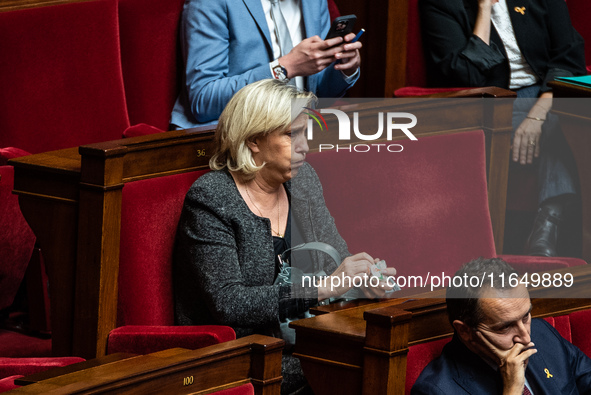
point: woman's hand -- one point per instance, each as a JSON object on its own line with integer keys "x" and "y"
{"x": 355, "y": 269}
{"x": 352, "y": 267}
{"x": 526, "y": 142}
{"x": 383, "y": 287}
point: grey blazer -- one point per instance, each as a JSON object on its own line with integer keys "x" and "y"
{"x": 224, "y": 264}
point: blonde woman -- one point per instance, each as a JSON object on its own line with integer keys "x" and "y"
{"x": 238, "y": 218}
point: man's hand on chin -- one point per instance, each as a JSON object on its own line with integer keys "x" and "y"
{"x": 512, "y": 363}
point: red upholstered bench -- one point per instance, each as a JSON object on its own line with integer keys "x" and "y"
{"x": 62, "y": 86}
{"x": 246, "y": 389}
{"x": 149, "y": 216}
{"x": 150, "y": 59}
{"x": 16, "y": 240}
{"x": 416, "y": 70}
{"x": 61, "y": 77}
{"x": 15, "y": 368}
{"x": 424, "y": 210}
{"x": 7, "y": 383}
{"x": 26, "y": 366}
{"x": 17, "y": 243}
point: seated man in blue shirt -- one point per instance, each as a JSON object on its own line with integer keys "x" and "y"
{"x": 228, "y": 44}
{"x": 497, "y": 348}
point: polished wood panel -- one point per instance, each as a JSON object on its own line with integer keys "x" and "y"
{"x": 254, "y": 359}
{"x": 363, "y": 349}
{"x": 52, "y": 373}
{"x": 72, "y": 200}
{"x": 572, "y": 106}
{"x": 12, "y": 5}
{"x": 49, "y": 204}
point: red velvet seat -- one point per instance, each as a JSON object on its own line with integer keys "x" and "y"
{"x": 61, "y": 78}
{"x": 419, "y": 357}
{"x": 579, "y": 324}
{"x": 416, "y": 70}
{"x": 7, "y": 383}
{"x": 150, "y": 58}
{"x": 333, "y": 10}
{"x": 424, "y": 210}
{"x": 26, "y": 366}
{"x": 15, "y": 368}
{"x": 149, "y": 218}
{"x": 16, "y": 240}
{"x": 246, "y": 389}
{"x": 62, "y": 86}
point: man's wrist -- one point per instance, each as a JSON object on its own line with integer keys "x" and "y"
{"x": 278, "y": 71}
{"x": 350, "y": 77}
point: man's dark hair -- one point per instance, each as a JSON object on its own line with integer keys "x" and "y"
{"x": 463, "y": 301}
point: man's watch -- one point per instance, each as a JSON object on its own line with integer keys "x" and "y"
{"x": 279, "y": 72}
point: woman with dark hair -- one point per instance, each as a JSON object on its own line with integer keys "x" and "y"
{"x": 519, "y": 45}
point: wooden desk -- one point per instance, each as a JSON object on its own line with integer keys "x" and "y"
{"x": 72, "y": 201}
{"x": 254, "y": 359}
{"x": 573, "y": 104}
{"x": 60, "y": 371}
{"x": 362, "y": 350}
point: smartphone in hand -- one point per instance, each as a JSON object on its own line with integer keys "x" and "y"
{"x": 341, "y": 26}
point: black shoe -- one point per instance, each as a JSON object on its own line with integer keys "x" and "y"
{"x": 543, "y": 238}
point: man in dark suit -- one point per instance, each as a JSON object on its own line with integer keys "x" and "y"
{"x": 497, "y": 348}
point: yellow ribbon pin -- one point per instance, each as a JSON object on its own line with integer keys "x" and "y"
{"x": 548, "y": 374}
{"x": 521, "y": 10}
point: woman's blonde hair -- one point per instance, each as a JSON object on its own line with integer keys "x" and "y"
{"x": 257, "y": 109}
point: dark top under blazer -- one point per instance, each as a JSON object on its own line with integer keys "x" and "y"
{"x": 456, "y": 57}
{"x": 459, "y": 371}
{"x": 224, "y": 265}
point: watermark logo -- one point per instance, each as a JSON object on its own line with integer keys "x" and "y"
{"x": 317, "y": 117}
{"x": 345, "y": 124}
{"x": 387, "y": 122}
